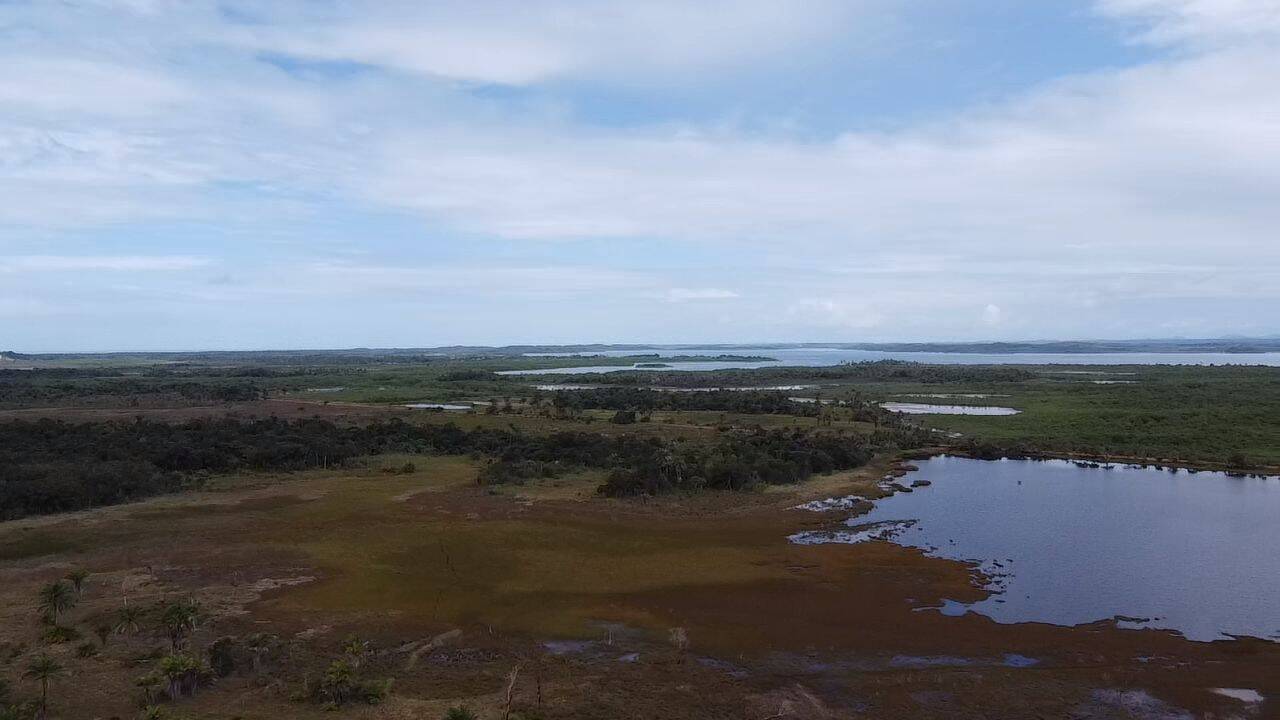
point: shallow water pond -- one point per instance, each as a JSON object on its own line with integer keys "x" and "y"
{"x": 1198, "y": 553}
{"x": 907, "y": 408}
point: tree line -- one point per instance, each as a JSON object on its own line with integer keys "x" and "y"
{"x": 753, "y": 402}
{"x": 54, "y": 466}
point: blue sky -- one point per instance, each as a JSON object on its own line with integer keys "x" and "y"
{"x": 204, "y": 174}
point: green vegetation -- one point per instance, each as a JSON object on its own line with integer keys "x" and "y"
{"x": 1228, "y": 416}
{"x": 1225, "y": 415}
{"x": 56, "y": 598}
{"x": 44, "y": 670}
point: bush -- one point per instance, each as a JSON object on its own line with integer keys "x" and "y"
{"x": 459, "y": 713}
{"x": 183, "y": 675}
{"x": 339, "y": 686}
{"x": 222, "y": 656}
{"x": 60, "y": 634}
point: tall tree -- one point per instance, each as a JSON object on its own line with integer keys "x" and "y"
{"x": 43, "y": 670}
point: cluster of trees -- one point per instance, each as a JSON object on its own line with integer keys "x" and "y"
{"x": 53, "y": 466}
{"x": 19, "y": 389}
{"x": 744, "y": 460}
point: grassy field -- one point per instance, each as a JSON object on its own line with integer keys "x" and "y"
{"x": 450, "y": 586}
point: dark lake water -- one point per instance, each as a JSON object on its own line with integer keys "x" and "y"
{"x": 1198, "y": 553}
{"x": 823, "y": 357}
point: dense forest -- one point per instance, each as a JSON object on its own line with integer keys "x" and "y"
{"x": 52, "y": 466}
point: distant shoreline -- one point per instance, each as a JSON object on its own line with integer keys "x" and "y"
{"x": 1241, "y": 346}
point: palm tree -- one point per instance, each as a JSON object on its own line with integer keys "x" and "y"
{"x": 259, "y": 644}
{"x": 77, "y": 578}
{"x": 178, "y": 620}
{"x": 338, "y": 683}
{"x": 56, "y": 598}
{"x": 43, "y": 669}
{"x": 355, "y": 649}
{"x": 183, "y": 673}
{"x": 127, "y": 620}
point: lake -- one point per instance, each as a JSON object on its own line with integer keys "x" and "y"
{"x": 1198, "y": 553}
{"x": 825, "y": 357}
{"x": 907, "y": 408}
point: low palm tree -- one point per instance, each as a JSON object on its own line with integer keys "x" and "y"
{"x": 183, "y": 673}
{"x": 77, "y": 579}
{"x": 355, "y": 649}
{"x": 127, "y": 620}
{"x": 56, "y": 598}
{"x": 43, "y": 670}
{"x": 178, "y": 620}
{"x": 259, "y": 644}
{"x": 338, "y": 683}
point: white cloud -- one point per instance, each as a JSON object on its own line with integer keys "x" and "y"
{"x": 66, "y": 84}
{"x": 1125, "y": 186}
{"x": 346, "y": 278}
{"x": 992, "y": 314}
{"x": 1121, "y": 169}
{"x": 693, "y": 294}
{"x": 836, "y": 313}
{"x": 81, "y": 263}
{"x": 1199, "y": 21}
{"x": 512, "y": 42}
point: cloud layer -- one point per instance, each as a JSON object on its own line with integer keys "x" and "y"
{"x": 446, "y": 163}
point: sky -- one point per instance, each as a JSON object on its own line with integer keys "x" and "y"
{"x": 238, "y": 174}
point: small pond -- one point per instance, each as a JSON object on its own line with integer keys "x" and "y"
{"x": 438, "y": 406}
{"x": 907, "y": 408}
{"x": 1198, "y": 553}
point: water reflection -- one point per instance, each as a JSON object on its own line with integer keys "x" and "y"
{"x": 1193, "y": 552}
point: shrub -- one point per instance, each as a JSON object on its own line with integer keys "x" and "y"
{"x": 60, "y": 634}
{"x": 340, "y": 686}
{"x": 459, "y": 713}
{"x": 222, "y": 656}
{"x": 183, "y": 675}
